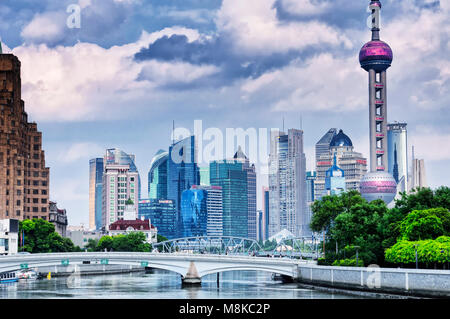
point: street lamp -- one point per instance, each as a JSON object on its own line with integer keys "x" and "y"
{"x": 357, "y": 247}
{"x": 417, "y": 260}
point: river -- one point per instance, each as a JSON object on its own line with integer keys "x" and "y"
{"x": 162, "y": 285}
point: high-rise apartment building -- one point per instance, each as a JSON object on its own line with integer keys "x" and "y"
{"x": 157, "y": 176}
{"x": 287, "y": 184}
{"x": 95, "y": 193}
{"x": 397, "y": 140}
{"x": 232, "y": 178}
{"x": 24, "y": 179}
{"x": 120, "y": 183}
{"x": 353, "y": 163}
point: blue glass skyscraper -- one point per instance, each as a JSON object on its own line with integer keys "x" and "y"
{"x": 182, "y": 169}
{"x": 95, "y": 193}
{"x": 231, "y": 176}
{"x": 162, "y": 214}
{"x": 157, "y": 176}
{"x": 194, "y": 214}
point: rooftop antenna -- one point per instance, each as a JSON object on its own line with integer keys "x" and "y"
{"x": 283, "y": 124}
{"x": 173, "y": 132}
{"x": 301, "y": 122}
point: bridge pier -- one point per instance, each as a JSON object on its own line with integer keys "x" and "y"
{"x": 192, "y": 277}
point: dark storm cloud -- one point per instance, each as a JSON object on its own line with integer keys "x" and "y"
{"x": 338, "y": 12}
{"x": 216, "y": 52}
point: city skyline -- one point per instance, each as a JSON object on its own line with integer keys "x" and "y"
{"x": 73, "y": 135}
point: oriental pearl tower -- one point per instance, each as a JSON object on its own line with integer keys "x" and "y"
{"x": 376, "y": 57}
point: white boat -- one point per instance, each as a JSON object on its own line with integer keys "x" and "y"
{"x": 8, "y": 277}
{"x": 27, "y": 275}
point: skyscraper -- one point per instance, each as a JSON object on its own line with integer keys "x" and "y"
{"x": 251, "y": 191}
{"x": 157, "y": 176}
{"x": 24, "y": 179}
{"x": 266, "y": 213}
{"x": 323, "y": 145}
{"x": 376, "y": 57}
{"x": 311, "y": 178}
{"x": 162, "y": 214}
{"x": 120, "y": 183}
{"x": 201, "y": 211}
{"x": 353, "y": 163}
{"x": 204, "y": 176}
{"x": 418, "y": 175}
{"x": 232, "y": 178}
{"x": 398, "y": 153}
{"x": 95, "y": 193}
{"x": 287, "y": 184}
{"x": 182, "y": 169}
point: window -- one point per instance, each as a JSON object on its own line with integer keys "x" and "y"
{"x": 44, "y": 192}
{"x": 35, "y": 200}
{"x": 44, "y": 209}
{"x": 44, "y": 201}
{"x": 35, "y": 210}
{"x": 35, "y": 191}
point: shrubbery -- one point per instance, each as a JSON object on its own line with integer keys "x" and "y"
{"x": 348, "y": 263}
{"x": 428, "y": 251}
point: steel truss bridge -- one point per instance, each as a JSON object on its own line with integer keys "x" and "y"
{"x": 299, "y": 247}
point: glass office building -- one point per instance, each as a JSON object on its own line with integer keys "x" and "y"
{"x": 162, "y": 214}
{"x": 157, "y": 176}
{"x": 95, "y": 193}
{"x": 233, "y": 179}
{"x": 194, "y": 213}
{"x": 287, "y": 184}
{"x": 398, "y": 153}
{"x": 182, "y": 169}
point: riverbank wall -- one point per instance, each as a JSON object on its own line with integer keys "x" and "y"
{"x": 406, "y": 282}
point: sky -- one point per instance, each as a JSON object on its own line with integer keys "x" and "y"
{"x": 130, "y": 68}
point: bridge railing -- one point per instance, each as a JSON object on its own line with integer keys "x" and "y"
{"x": 222, "y": 245}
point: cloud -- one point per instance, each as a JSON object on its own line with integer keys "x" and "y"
{"x": 79, "y": 151}
{"x": 86, "y": 82}
{"x": 304, "y": 86}
{"x": 305, "y": 7}
{"x": 254, "y": 29}
{"x": 431, "y": 143}
{"x": 48, "y": 27}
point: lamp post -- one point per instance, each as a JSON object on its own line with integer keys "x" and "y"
{"x": 417, "y": 260}
{"x": 357, "y": 247}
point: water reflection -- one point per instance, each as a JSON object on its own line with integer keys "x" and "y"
{"x": 160, "y": 285}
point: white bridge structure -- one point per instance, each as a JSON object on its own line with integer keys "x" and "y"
{"x": 192, "y": 267}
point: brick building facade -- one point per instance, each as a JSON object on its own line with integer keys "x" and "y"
{"x": 24, "y": 179}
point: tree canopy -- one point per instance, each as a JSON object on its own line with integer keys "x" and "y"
{"x": 350, "y": 221}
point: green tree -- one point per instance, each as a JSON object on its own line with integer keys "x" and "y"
{"x": 160, "y": 238}
{"x": 421, "y": 225}
{"x": 329, "y": 207}
{"x": 106, "y": 242}
{"x": 359, "y": 227}
{"x": 40, "y": 237}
